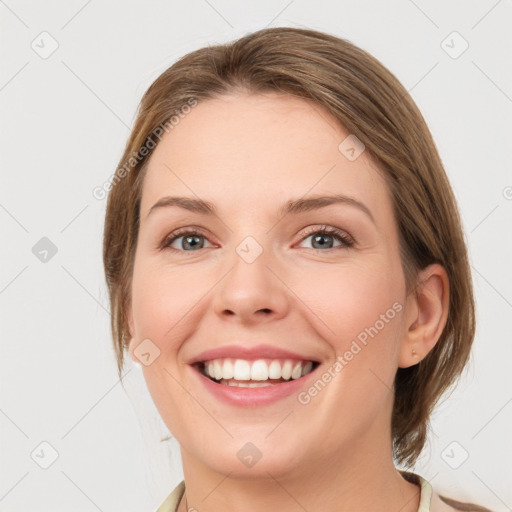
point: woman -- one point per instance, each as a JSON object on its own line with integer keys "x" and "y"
{"x": 285, "y": 259}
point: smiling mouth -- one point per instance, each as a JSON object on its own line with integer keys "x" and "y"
{"x": 256, "y": 373}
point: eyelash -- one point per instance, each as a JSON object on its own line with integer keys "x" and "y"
{"x": 340, "y": 235}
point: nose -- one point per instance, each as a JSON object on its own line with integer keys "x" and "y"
{"x": 252, "y": 292}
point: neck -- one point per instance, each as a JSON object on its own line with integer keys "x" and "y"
{"x": 358, "y": 476}
{"x": 340, "y": 484}
{"x": 322, "y": 492}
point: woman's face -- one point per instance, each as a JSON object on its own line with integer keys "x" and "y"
{"x": 256, "y": 276}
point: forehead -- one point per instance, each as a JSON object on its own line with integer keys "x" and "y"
{"x": 246, "y": 151}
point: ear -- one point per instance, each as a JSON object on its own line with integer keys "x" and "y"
{"x": 130, "y": 342}
{"x": 426, "y": 315}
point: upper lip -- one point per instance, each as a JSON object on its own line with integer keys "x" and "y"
{"x": 244, "y": 352}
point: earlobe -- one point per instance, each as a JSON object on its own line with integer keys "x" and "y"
{"x": 128, "y": 341}
{"x": 130, "y": 347}
{"x": 428, "y": 306}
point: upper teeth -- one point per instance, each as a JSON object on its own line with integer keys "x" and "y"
{"x": 259, "y": 369}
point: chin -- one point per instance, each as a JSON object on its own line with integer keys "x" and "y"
{"x": 246, "y": 460}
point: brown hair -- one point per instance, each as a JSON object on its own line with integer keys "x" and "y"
{"x": 369, "y": 101}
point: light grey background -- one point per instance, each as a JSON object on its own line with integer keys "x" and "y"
{"x": 65, "y": 120}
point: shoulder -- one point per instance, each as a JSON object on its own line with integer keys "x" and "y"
{"x": 441, "y": 503}
{"x": 432, "y": 501}
{"x": 172, "y": 501}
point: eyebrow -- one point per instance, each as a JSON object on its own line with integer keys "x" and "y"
{"x": 294, "y": 206}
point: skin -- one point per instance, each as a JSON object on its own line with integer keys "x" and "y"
{"x": 248, "y": 155}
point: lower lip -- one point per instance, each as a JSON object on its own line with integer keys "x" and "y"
{"x": 251, "y": 397}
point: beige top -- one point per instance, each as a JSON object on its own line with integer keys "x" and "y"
{"x": 430, "y": 501}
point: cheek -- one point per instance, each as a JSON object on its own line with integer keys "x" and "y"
{"x": 167, "y": 304}
{"x": 349, "y": 300}
{"x": 358, "y": 311}
{"x": 360, "y": 307}
{"x": 161, "y": 299}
